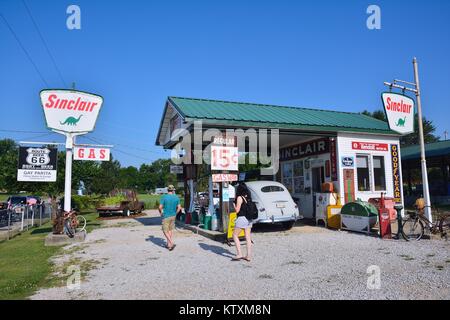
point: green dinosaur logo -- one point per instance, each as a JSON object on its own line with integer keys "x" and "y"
{"x": 401, "y": 122}
{"x": 71, "y": 121}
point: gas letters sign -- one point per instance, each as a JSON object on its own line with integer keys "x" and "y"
{"x": 399, "y": 112}
{"x": 92, "y": 154}
{"x": 70, "y": 111}
{"x": 37, "y": 164}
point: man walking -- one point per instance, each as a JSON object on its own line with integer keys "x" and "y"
{"x": 168, "y": 208}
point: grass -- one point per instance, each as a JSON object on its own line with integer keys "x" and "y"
{"x": 25, "y": 261}
{"x": 150, "y": 200}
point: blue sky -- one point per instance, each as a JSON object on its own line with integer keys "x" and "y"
{"x": 316, "y": 54}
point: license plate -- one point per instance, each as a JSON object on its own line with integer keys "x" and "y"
{"x": 281, "y": 205}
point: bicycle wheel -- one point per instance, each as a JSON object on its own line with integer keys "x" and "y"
{"x": 412, "y": 229}
{"x": 81, "y": 226}
{"x": 444, "y": 226}
{"x": 68, "y": 228}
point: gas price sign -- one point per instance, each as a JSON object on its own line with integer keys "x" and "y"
{"x": 224, "y": 158}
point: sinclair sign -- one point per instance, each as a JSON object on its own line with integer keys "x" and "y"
{"x": 70, "y": 111}
{"x": 399, "y": 112}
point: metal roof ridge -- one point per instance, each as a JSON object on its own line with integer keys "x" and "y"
{"x": 272, "y": 105}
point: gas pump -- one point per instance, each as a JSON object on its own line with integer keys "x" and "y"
{"x": 384, "y": 220}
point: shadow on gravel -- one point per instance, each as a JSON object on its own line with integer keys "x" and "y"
{"x": 149, "y": 221}
{"x": 216, "y": 249}
{"x": 157, "y": 241}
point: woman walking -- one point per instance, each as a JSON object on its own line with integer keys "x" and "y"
{"x": 243, "y": 197}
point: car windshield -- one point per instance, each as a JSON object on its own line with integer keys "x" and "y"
{"x": 272, "y": 189}
{"x": 17, "y": 200}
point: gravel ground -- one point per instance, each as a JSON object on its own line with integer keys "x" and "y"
{"x": 302, "y": 263}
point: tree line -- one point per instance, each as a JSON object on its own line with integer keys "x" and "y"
{"x": 410, "y": 139}
{"x": 97, "y": 177}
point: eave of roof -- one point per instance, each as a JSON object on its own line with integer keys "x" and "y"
{"x": 436, "y": 149}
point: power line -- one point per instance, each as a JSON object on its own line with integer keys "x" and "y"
{"x": 127, "y": 146}
{"x": 24, "y": 50}
{"x": 22, "y": 131}
{"x": 119, "y": 150}
{"x": 45, "y": 43}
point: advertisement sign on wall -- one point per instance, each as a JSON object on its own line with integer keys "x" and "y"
{"x": 305, "y": 149}
{"x": 348, "y": 161}
{"x": 396, "y": 173}
{"x": 333, "y": 160}
{"x": 175, "y": 169}
{"x": 37, "y": 164}
{"x": 370, "y": 146}
{"x": 399, "y": 112}
{"x": 69, "y": 110}
{"x": 93, "y": 154}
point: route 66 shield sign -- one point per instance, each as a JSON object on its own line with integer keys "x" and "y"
{"x": 37, "y": 164}
{"x": 38, "y": 156}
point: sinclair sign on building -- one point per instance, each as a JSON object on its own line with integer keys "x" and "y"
{"x": 70, "y": 111}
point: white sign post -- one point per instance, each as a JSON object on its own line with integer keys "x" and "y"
{"x": 71, "y": 113}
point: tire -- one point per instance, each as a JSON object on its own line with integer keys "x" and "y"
{"x": 68, "y": 229}
{"x": 288, "y": 225}
{"x": 81, "y": 223}
{"x": 412, "y": 229}
{"x": 126, "y": 212}
{"x": 444, "y": 226}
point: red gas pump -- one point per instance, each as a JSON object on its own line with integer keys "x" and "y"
{"x": 188, "y": 218}
{"x": 384, "y": 220}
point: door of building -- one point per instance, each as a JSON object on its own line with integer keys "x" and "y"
{"x": 317, "y": 179}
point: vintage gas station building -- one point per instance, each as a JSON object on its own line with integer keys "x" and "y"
{"x": 360, "y": 155}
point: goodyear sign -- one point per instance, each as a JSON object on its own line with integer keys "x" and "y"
{"x": 396, "y": 173}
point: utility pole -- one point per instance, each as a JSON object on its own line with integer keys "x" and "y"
{"x": 406, "y": 86}
{"x": 426, "y": 191}
{"x": 445, "y": 134}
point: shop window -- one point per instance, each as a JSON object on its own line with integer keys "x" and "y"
{"x": 287, "y": 175}
{"x": 299, "y": 181}
{"x": 362, "y": 165}
{"x": 379, "y": 173}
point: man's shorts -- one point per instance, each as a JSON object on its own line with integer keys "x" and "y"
{"x": 168, "y": 224}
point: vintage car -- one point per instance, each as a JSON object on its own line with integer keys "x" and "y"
{"x": 274, "y": 203}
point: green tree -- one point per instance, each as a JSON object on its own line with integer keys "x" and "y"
{"x": 108, "y": 177}
{"x": 129, "y": 177}
{"x": 8, "y": 165}
{"x": 411, "y": 139}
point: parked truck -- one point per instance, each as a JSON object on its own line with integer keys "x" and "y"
{"x": 130, "y": 205}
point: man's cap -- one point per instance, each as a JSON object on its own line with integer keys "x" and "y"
{"x": 170, "y": 187}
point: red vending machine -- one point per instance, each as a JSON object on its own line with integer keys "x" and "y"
{"x": 384, "y": 220}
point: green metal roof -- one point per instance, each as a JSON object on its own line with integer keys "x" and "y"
{"x": 436, "y": 149}
{"x": 228, "y": 113}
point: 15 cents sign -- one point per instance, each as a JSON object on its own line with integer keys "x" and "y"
{"x": 399, "y": 112}
{"x": 70, "y": 111}
{"x": 224, "y": 158}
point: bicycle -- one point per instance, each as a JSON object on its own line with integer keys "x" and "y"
{"x": 415, "y": 223}
{"x": 73, "y": 223}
